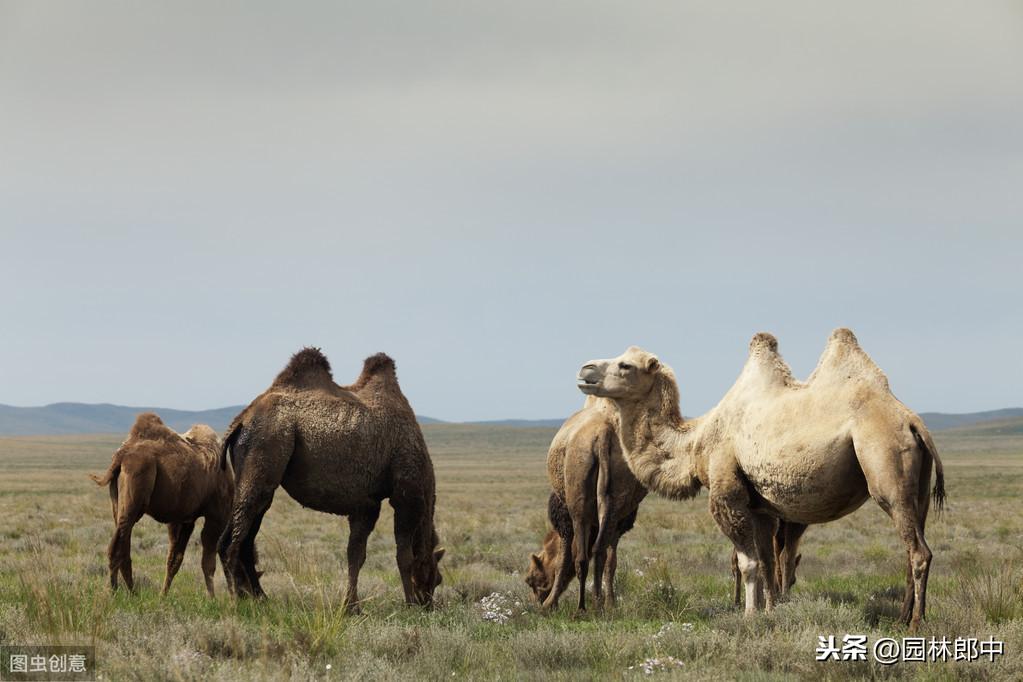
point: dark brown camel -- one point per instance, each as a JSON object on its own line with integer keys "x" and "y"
{"x": 176, "y": 480}
{"x": 336, "y": 449}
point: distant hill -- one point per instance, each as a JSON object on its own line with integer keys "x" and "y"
{"x": 987, "y": 429}
{"x": 72, "y": 418}
{"x": 938, "y": 421}
{"x": 524, "y": 423}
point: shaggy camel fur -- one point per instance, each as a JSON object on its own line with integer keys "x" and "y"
{"x": 775, "y": 448}
{"x": 335, "y": 449}
{"x": 176, "y": 480}
{"x": 594, "y": 501}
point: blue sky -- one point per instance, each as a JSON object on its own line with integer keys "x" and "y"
{"x": 493, "y": 193}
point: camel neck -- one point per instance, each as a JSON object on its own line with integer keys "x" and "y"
{"x": 662, "y": 448}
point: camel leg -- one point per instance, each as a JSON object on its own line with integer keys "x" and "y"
{"x": 134, "y": 487}
{"x": 407, "y": 520}
{"x": 238, "y": 543}
{"x": 599, "y": 561}
{"x": 767, "y": 527}
{"x": 729, "y": 506}
{"x": 580, "y": 556}
{"x": 212, "y": 529}
{"x": 906, "y": 613}
{"x": 563, "y": 575}
{"x": 911, "y": 531}
{"x": 249, "y": 557}
{"x": 178, "y": 533}
{"x": 898, "y": 478}
{"x": 737, "y": 578}
{"x": 258, "y": 473}
{"x": 360, "y": 526}
{"x": 900, "y": 484}
{"x": 119, "y": 552}
{"x": 612, "y": 568}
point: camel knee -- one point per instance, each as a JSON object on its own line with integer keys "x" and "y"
{"x": 921, "y": 562}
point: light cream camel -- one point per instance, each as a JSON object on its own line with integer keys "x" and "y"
{"x": 775, "y": 448}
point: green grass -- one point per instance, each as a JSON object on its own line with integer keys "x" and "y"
{"x": 492, "y": 493}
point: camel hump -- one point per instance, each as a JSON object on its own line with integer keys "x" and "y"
{"x": 765, "y": 363}
{"x": 763, "y": 341}
{"x": 202, "y": 434}
{"x": 149, "y": 426}
{"x": 844, "y": 359}
{"x": 377, "y": 362}
{"x": 307, "y": 366}
{"x": 843, "y": 335}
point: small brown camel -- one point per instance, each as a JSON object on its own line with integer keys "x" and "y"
{"x": 593, "y": 502}
{"x": 340, "y": 450}
{"x": 775, "y": 448}
{"x": 176, "y": 480}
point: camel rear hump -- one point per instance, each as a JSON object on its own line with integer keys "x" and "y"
{"x": 843, "y": 360}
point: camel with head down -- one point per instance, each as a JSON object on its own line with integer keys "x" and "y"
{"x": 340, "y": 450}
{"x": 776, "y": 448}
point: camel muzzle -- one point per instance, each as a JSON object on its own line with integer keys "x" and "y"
{"x": 589, "y": 378}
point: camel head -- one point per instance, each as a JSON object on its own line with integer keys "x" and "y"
{"x": 543, "y": 566}
{"x": 426, "y": 577}
{"x": 630, "y": 376}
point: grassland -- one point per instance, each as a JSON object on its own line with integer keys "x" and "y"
{"x": 491, "y": 499}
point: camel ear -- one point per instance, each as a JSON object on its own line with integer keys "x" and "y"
{"x": 438, "y": 554}
{"x": 652, "y": 363}
{"x": 537, "y": 561}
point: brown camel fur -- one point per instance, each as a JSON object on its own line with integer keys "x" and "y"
{"x": 594, "y": 501}
{"x": 775, "y": 448}
{"x": 340, "y": 450}
{"x": 176, "y": 480}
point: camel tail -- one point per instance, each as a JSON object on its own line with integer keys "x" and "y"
{"x": 923, "y": 439}
{"x": 604, "y": 504}
{"x": 230, "y": 439}
{"x": 110, "y": 479}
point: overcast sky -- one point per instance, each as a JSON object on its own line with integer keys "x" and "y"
{"x": 495, "y": 193}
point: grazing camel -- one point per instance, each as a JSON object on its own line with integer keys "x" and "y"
{"x": 340, "y": 450}
{"x": 775, "y": 448}
{"x": 594, "y": 501}
{"x": 176, "y": 480}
